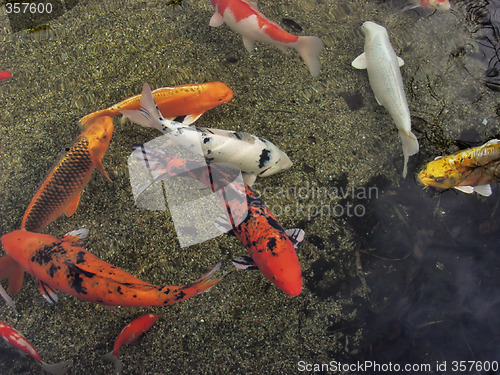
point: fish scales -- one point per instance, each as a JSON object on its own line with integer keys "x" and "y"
{"x": 61, "y": 186}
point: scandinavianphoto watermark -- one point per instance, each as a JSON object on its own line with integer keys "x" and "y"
{"x": 310, "y": 201}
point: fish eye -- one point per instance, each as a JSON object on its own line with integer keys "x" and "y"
{"x": 439, "y": 179}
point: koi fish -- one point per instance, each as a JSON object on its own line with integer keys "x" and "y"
{"x": 243, "y": 17}
{"x": 435, "y": 4}
{"x": 185, "y": 100}
{"x": 253, "y": 155}
{"x": 64, "y": 265}
{"x": 18, "y": 341}
{"x": 5, "y": 74}
{"x": 128, "y": 335}
{"x": 385, "y": 79}
{"x": 271, "y": 248}
{"x": 470, "y": 170}
{"x": 60, "y": 191}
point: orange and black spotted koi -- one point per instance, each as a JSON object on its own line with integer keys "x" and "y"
{"x": 64, "y": 265}
{"x": 61, "y": 189}
{"x": 271, "y": 248}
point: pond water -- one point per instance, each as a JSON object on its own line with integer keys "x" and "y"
{"x": 393, "y": 273}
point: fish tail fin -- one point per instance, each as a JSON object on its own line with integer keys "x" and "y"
{"x": 309, "y": 48}
{"x": 410, "y": 147}
{"x": 59, "y": 368}
{"x": 199, "y": 286}
{"x": 111, "y": 357}
{"x": 149, "y": 115}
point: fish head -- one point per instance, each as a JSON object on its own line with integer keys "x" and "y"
{"x": 282, "y": 163}
{"x": 21, "y": 244}
{"x": 218, "y": 93}
{"x": 440, "y": 4}
{"x": 99, "y": 133}
{"x": 281, "y": 266}
{"x": 440, "y": 173}
{"x": 370, "y": 30}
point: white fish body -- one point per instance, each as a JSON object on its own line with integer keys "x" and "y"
{"x": 382, "y": 65}
{"x": 253, "y": 155}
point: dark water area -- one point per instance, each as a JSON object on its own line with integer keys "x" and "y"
{"x": 394, "y": 274}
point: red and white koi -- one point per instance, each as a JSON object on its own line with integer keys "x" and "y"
{"x": 18, "y": 341}
{"x": 243, "y": 17}
{"x": 470, "y": 170}
{"x": 253, "y": 155}
{"x": 5, "y": 74}
{"x": 271, "y": 248}
{"x": 128, "y": 335}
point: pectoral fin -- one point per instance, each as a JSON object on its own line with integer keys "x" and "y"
{"x": 71, "y": 208}
{"x": 297, "y": 236}
{"x": 216, "y": 20}
{"x": 189, "y": 119}
{"x": 484, "y": 190}
{"x": 47, "y": 292}
{"x": 101, "y": 169}
{"x": 401, "y": 62}
{"x": 249, "y": 44}
{"x": 244, "y": 263}
{"x": 465, "y": 189}
{"x": 360, "y": 62}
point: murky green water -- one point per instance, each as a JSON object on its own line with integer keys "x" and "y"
{"x": 392, "y": 273}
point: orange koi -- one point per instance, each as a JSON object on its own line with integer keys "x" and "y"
{"x": 64, "y": 265}
{"x": 128, "y": 335}
{"x": 18, "y": 341}
{"x": 190, "y": 100}
{"x": 272, "y": 249}
{"x": 61, "y": 189}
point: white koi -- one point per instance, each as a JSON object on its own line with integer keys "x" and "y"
{"x": 385, "y": 80}
{"x": 253, "y": 155}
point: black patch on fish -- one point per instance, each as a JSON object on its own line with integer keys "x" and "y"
{"x": 271, "y": 245}
{"x": 44, "y": 255}
{"x": 180, "y": 295}
{"x": 236, "y": 134}
{"x": 206, "y": 140}
{"x": 274, "y": 223}
{"x": 119, "y": 289}
{"x": 75, "y": 279}
{"x": 80, "y": 257}
{"x": 53, "y": 269}
{"x": 264, "y": 158}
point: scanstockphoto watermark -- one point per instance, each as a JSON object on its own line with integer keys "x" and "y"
{"x": 312, "y": 201}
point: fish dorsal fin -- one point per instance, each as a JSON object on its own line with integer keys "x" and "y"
{"x": 77, "y": 236}
{"x": 465, "y": 189}
{"x": 72, "y": 206}
{"x": 401, "y": 62}
{"x": 297, "y": 236}
{"x": 360, "y": 62}
{"x": 216, "y": 20}
{"x": 484, "y": 190}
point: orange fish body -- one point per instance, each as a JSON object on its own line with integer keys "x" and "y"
{"x": 64, "y": 265}
{"x": 271, "y": 248}
{"x": 18, "y": 341}
{"x": 61, "y": 189}
{"x": 190, "y": 100}
{"x": 129, "y": 334}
